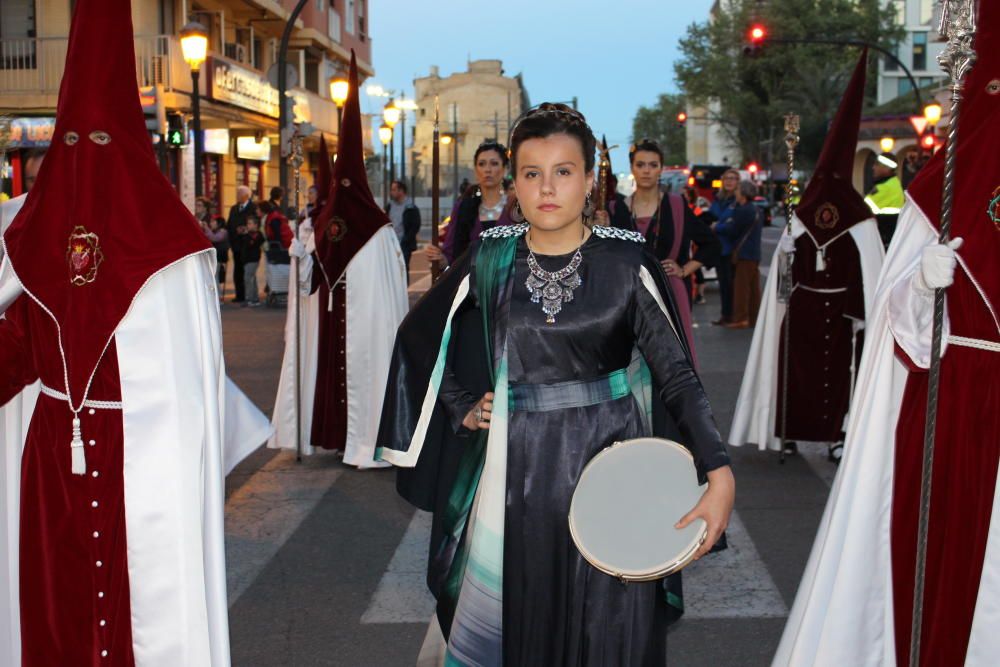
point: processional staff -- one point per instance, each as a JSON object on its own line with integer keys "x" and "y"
{"x": 296, "y": 160}
{"x": 958, "y": 26}
{"x": 436, "y": 187}
{"x": 792, "y": 126}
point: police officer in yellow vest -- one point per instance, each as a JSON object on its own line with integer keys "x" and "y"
{"x": 886, "y": 198}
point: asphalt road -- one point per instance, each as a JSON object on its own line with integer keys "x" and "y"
{"x": 326, "y": 563}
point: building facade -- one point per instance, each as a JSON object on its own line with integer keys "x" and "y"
{"x": 478, "y": 104}
{"x": 918, "y": 50}
{"x": 239, "y": 105}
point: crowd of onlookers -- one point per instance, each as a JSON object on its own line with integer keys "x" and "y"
{"x": 253, "y": 230}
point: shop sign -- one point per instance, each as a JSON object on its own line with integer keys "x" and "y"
{"x": 216, "y": 141}
{"x": 247, "y": 148}
{"x": 31, "y": 132}
{"x": 242, "y": 87}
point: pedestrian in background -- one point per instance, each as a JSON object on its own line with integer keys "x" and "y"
{"x": 722, "y": 208}
{"x": 277, "y": 194}
{"x": 742, "y": 231}
{"x": 235, "y": 226}
{"x": 215, "y": 232}
{"x": 405, "y": 218}
{"x": 312, "y": 197}
{"x": 250, "y": 243}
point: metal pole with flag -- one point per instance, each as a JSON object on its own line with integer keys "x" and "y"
{"x": 958, "y": 26}
{"x": 792, "y": 126}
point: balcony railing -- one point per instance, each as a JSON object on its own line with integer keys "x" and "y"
{"x": 35, "y": 66}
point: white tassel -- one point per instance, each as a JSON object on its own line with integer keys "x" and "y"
{"x": 821, "y": 260}
{"x": 76, "y": 447}
{"x": 329, "y": 303}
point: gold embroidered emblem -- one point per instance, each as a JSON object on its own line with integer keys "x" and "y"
{"x": 827, "y": 216}
{"x": 84, "y": 256}
{"x": 337, "y": 229}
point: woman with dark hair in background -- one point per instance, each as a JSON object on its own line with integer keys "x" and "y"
{"x": 482, "y": 207}
{"x": 512, "y": 588}
{"x": 667, "y": 223}
{"x": 722, "y": 208}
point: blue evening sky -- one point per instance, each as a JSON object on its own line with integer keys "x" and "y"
{"x": 614, "y": 56}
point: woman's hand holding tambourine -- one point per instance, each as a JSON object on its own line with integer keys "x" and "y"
{"x": 481, "y": 413}
{"x": 714, "y": 508}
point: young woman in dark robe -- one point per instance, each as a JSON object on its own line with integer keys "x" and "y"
{"x": 668, "y": 225}
{"x": 481, "y": 207}
{"x": 512, "y": 587}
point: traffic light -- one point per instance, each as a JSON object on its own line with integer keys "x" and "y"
{"x": 928, "y": 141}
{"x": 682, "y": 119}
{"x": 755, "y": 40}
{"x": 753, "y": 168}
{"x": 176, "y": 130}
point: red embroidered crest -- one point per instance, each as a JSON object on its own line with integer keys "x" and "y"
{"x": 84, "y": 256}
{"x": 337, "y": 228}
{"x": 994, "y": 208}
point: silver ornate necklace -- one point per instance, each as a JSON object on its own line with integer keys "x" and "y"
{"x": 553, "y": 288}
{"x": 492, "y": 213}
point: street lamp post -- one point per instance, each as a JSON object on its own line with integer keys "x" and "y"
{"x": 339, "y": 89}
{"x": 194, "y": 45}
{"x": 402, "y": 145}
{"x": 385, "y": 136}
{"x": 391, "y": 115}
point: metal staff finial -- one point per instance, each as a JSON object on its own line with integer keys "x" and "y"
{"x": 958, "y": 25}
{"x": 792, "y": 127}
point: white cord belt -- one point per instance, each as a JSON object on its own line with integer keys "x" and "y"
{"x": 96, "y": 405}
{"x": 79, "y": 458}
{"x": 821, "y": 290}
{"x": 976, "y": 343}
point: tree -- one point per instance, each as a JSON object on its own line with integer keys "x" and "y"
{"x": 750, "y": 96}
{"x": 659, "y": 123}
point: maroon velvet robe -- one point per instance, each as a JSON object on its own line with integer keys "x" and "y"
{"x": 329, "y": 425}
{"x": 966, "y": 455}
{"x": 74, "y": 587}
{"x": 824, "y": 350}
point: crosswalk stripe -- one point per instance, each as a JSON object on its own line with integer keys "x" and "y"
{"x": 263, "y": 513}
{"x": 731, "y": 584}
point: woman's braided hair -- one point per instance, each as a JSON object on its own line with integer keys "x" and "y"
{"x": 553, "y": 118}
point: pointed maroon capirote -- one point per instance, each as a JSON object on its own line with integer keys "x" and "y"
{"x": 350, "y": 216}
{"x": 830, "y": 205}
{"x": 323, "y": 175}
{"x": 101, "y": 219}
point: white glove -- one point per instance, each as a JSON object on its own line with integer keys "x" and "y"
{"x": 937, "y": 267}
{"x": 786, "y": 244}
{"x": 297, "y": 249}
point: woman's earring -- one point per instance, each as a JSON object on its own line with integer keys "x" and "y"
{"x": 516, "y": 214}
{"x": 588, "y": 207}
{"x": 479, "y": 193}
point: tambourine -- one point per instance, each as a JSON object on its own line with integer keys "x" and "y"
{"x": 625, "y": 506}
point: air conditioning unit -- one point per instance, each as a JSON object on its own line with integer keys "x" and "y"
{"x": 237, "y": 52}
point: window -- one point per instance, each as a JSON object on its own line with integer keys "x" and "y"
{"x": 320, "y": 5}
{"x": 349, "y": 16}
{"x": 167, "y": 24}
{"x": 920, "y": 51}
{"x": 890, "y": 64}
{"x": 926, "y": 11}
{"x": 904, "y": 86}
{"x": 333, "y": 25}
{"x": 900, "y": 7}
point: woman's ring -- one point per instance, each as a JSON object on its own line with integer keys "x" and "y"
{"x": 479, "y": 414}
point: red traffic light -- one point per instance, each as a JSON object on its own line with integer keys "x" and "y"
{"x": 928, "y": 141}
{"x": 682, "y": 117}
{"x": 757, "y": 34}
{"x": 753, "y": 168}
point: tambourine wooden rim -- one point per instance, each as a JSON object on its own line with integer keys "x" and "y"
{"x": 672, "y": 564}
